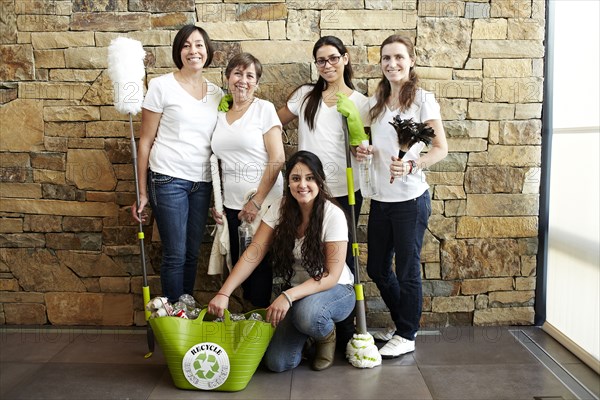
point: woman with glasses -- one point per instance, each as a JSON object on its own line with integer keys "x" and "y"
{"x": 400, "y": 211}
{"x": 320, "y": 131}
{"x": 179, "y": 114}
{"x": 247, "y": 141}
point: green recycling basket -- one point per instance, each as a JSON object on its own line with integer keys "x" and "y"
{"x": 211, "y": 355}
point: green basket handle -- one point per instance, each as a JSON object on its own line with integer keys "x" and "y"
{"x": 200, "y": 319}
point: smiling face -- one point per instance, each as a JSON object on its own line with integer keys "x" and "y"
{"x": 242, "y": 82}
{"x": 193, "y": 52}
{"x": 396, "y": 62}
{"x": 331, "y": 73}
{"x": 303, "y": 184}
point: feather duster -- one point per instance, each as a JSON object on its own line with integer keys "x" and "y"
{"x": 410, "y": 133}
{"x": 126, "y": 70}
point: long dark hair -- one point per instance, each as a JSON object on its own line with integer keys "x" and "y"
{"x": 290, "y": 218}
{"x": 384, "y": 90}
{"x": 179, "y": 41}
{"x": 313, "y": 98}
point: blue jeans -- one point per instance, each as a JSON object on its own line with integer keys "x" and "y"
{"x": 181, "y": 209}
{"x": 399, "y": 228}
{"x": 258, "y": 286}
{"x": 312, "y": 316}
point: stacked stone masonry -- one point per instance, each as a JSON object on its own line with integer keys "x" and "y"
{"x": 68, "y": 247}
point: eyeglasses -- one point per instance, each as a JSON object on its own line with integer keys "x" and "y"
{"x": 331, "y": 60}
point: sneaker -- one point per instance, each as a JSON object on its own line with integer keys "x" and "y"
{"x": 397, "y": 346}
{"x": 384, "y": 335}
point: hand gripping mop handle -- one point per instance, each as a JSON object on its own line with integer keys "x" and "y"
{"x": 361, "y": 319}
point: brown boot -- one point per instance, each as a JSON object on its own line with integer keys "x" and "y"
{"x": 325, "y": 352}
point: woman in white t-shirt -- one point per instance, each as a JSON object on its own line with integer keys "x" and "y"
{"x": 400, "y": 211}
{"x": 307, "y": 234}
{"x": 179, "y": 114}
{"x": 319, "y": 110}
{"x": 247, "y": 141}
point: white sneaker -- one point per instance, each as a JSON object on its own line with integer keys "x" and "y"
{"x": 397, "y": 346}
{"x": 384, "y": 335}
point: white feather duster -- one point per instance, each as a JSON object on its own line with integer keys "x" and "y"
{"x": 126, "y": 70}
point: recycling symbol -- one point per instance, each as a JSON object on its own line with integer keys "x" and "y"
{"x": 206, "y": 365}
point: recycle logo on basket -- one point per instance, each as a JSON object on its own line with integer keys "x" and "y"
{"x": 206, "y": 365}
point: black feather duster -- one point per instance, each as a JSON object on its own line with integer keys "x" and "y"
{"x": 411, "y": 132}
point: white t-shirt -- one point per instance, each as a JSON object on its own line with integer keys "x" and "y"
{"x": 241, "y": 149}
{"x": 327, "y": 139}
{"x": 181, "y": 148}
{"x": 335, "y": 229}
{"x": 385, "y": 145}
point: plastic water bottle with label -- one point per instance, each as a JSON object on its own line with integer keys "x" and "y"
{"x": 366, "y": 174}
{"x": 245, "y": 236}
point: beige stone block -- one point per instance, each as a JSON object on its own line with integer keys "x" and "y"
{"x": 49, "y": 176}
{"x": 510, "y": 8}
{"x": 441, "y": 8}
{"x": 87, "y": 143}
{"x": 526, "y": 29}
{"x": 486, "y": 285}
{"x": 303, "y": 25}
{"x": 430, "y": 252}
{"x": 513, "y": 90}
{"x": 71, "y": 113}
{"x": 8, "y": 23}
{"x": 61, "y": 40}
{"x": 110, "y": 113}
{"x": 87, "y": 57}
{"x": 108, "y": 21}
{"x": 74, "y": 75}
{"x": 466, "y": 129}
{"x": 17, "y": 62}
{"x": 466, "y": 145}
{"x": 55, "y": 7}
{"x": 49, "y": 58}
{"x": 42, "y": 23}
{"x": 432, "y": 271}
{"x": 109, "y": 284}
{"x": 277, "y": 30}
{"x": 110, "y": 128}
{"x": 538, "y": 67}
{"x": 494, "y": 179}
{"x": 11, "y": 225}
{"x": 65, "y": 129}
{"x": 171, "y": 20}
{"x": 437, "y": 207}
{"x": 496, "y": 227}
{"x": 217, "y": 12}
{"x": 21, "y": 297}
{"x": 445, "y": 178}
{"x": 317, "y": 4}
{"x": 471, "y": 75}
{"x": 272, "y": 52}
{"x": 493, "y": 28}
{"x": 474, "y": 63}
{"x": 453, "y": 304}
{"x": 504, "y": 316}
{"x": 507, "y": 48}
{"x": 58, "y": 207}
{"x": 455, "y": 208}
{"x": 162, "y": 59}
{"x": 22, "y": 190}
{"x": 434, "y": 74}
{"x": 22, "y": 127}
{"x": 490, "y": 111}
{"x": 368, "y": 19}
{"x": 531, "y": 181}
{"x": 90, "y": 169}
{"x": 147, "y": 38}
{"x": 25, "y": 314}
{"x": 507, "y": 68}
{"x": 443, "y": 42}
{"x": 516, "y": 156}
{"x": 55, "y": 144}
{"x": 527, "y": 283}
{"x": 445, "y": 192}
{"x": 528, "y": 265}
{"x": 24, "y": 37}
{"x": 373, "y": 37}
{"x": 442, "y": 227}
{"x": 520, "y": 132}
{"x": 262, "y": 12}
{"x": 512, "y": 298}
{"x": 484, "y": 205}
{"x": 52, "y": 90}
{"x": 453, "y": 89}
{"x": 479, "y": 258}
{"x": 15, "y": 160}
{"x": 345, "y": 35}
{"x": 528, "y": 111}
{"x": 237, "y": 30}
{"x": 453, "y": 109}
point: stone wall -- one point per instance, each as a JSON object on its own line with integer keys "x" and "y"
{"x": 69, "y": 253}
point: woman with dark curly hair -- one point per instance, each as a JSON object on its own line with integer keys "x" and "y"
{"x": 307, "y": 234}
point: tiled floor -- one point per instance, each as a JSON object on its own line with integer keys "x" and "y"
{"x": 453, "y": 363}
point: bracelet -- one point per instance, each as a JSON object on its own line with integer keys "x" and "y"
{"x": 255, "y": 204}
{"x": 222, "y": 294}
{"x": 288, "y": 298}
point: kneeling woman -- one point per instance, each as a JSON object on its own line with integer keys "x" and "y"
{"x": 308, "y": 236}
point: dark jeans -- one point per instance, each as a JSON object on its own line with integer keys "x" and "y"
{"x": 180, "y": 208}
{"x": 257, "y": 288}
{"x": 398, "y": 228}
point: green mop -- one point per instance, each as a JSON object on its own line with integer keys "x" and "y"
{"x": 361, "y": 350}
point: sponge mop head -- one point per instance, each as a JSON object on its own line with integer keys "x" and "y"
{"x": 362, "y": 352}
{"x": 126, "y": 70}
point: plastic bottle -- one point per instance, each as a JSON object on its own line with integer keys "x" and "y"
{"x": 245, "y": 236}
{"x": 366, "y": 174}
